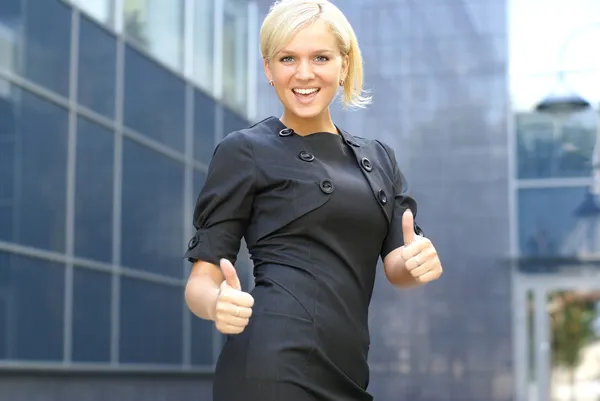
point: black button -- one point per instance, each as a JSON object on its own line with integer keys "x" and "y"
{"x": 326, "y": 186}
{"x": 366, "y": 163}
{"x": 382, "y": 197}
{"x": 352, "y": 143}
{"x": 286, "y": 132}
{"x": 307, "y": 157}
{"x": 193, "y": 242}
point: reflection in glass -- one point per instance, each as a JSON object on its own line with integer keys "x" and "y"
{"x": 551, "y": 222}
{"x": 235, "y": 54}
{"x": 204, "y": 26}
{"x": 575, "y": 345}
{"x": 102, "y": 10}
{"x": 35, "y": 42}
{"x": 555, "y": 147}
{"x": 154, "y": 100}
{"x": 157, "y": 26}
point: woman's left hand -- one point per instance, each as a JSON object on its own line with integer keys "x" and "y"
{"x": 420, "y": 256}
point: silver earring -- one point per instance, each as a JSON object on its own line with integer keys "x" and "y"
{"x": 341, "y": 82}
{"x": 271, "y": 83}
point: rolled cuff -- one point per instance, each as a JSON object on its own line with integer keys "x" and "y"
{"x": 211, "y": 246}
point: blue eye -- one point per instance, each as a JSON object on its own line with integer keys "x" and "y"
{"x": 322, "y": 59}
{"x": 286, "y": 59}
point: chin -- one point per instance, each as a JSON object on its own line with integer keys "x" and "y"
{"x": 309, "y": 111}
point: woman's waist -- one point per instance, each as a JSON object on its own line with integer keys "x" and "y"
{"x": 288, "y": 291}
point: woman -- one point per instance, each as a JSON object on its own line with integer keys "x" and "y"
{"x": 317, "y": 207}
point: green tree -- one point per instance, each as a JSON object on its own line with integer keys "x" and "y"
{"x": 572, "y": 330}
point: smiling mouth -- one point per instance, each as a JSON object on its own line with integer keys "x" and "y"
{"x": 305, "y": 92}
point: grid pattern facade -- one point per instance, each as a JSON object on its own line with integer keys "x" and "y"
{"x": 103, "y": 149}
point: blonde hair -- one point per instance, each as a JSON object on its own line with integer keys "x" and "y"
{"x": 287, "y": 17}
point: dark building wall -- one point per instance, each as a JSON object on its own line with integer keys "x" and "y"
{"x": 103, "y": 149}
{"x": 437, "y": 73}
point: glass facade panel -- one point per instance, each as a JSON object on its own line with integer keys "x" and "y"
{"x": 204, "y": 36}
{"x": 550, "y": 221}
{"x": 235, "y": 54}
{"x": 31, "y": 308}
{"x": 154, "y": 100}
{"x": 35, "y": 42}
{"x": 202, "y": 341}
{"x": 115, "y": 101}
{"x": 555, "y": 147}
{"x": 151, "y": 322}
{"x": 205, "y": 110}
{"x": 156, "y": 26}
{"x": 34, "y": 143}
{"x": 91, "y": 316}
{"x": 94, "y": 191}
{"x": 97, "y": 68}
{"x": 152, "y": 211}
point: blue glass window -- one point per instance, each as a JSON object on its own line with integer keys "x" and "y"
{"x": 152, "y": 210}
{"x": 94, "y": 191}
{"x": 151, "y": 322}
{"x": 31, "y": 308}
{"x": 551, "y": 222}
{"x": 34, "y": 140}
{"x": 36, "y": 42}
{"x": 97, "y": 68}
{"x": 205, "y": 110}
{"x": 154, "y": 100}
{"x": 91, "y": 316}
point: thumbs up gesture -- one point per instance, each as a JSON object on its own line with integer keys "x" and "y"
{"x": 420, "y": 257}
{"x": 234, "y": 306}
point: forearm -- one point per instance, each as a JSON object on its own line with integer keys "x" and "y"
{"x": 201, "y": 292}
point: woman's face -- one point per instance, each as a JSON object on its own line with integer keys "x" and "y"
{"x": 307, "y": 71}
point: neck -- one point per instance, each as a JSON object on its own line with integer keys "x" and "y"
{"x": 307, "y": 126}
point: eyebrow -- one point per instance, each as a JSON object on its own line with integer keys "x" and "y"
{"x": 284, "y": 51}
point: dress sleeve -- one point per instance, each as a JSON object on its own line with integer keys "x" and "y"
{"x": 224, "y": 205}
{"x": 402, "y": 201}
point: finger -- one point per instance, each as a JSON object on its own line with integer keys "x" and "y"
{"x": 226, "y": 308}
{"x": 232, "y": 320}
{"x": 408, "y": 227}
{"x": 413, "y": 249}
{"x": 421, "y": 259}
{"x": 423, "y": 268}
{"x": 231, "y": 277}
{"x": 228, "y": 329}
{"x": 430, "y": 275}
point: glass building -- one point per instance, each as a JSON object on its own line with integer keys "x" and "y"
{"x": 109, "y": 114}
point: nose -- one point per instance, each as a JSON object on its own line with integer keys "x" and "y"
{"x": 304, "y": 70}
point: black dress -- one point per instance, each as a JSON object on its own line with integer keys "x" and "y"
{"x": 316, "y": 217}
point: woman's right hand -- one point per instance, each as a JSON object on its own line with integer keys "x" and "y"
{"x": 234, "y": 306}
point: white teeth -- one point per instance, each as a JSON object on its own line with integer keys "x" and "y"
{"x": 306, "y": 91}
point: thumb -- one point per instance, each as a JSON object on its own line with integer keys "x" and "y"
{"x": 230, "y": 274}
{"x": 408, "y": 227}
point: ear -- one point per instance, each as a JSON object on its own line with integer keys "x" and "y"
{"x": 267, "y": 69}
{"x": 345, "y": 66}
